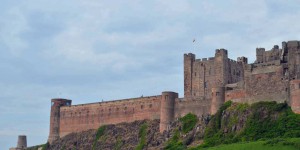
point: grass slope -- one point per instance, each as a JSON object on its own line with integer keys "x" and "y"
{"x": 283, "y": 144}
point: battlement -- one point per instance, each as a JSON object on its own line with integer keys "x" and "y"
{"x": 107, "y": 102}
{"x": 243, "y": 59}
{"x": 293, "y": 44}
{"x": 190, "y": 56}
{"x": 205, "y": 59}
{"x": 221, "y": 51}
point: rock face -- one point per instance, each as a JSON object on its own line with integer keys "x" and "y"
{"x": 126, "y": 136}
{"x": 120, "y": 136}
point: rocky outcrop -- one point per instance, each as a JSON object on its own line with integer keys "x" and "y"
{"x": 232, "y": 123}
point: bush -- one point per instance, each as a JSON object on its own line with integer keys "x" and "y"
{"x": 100, "y": 132}
{"x": 175, "y": 143}
{"x": 188, "y": 122}
{"x": 142, "y": 136}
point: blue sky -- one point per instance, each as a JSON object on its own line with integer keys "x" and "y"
{"x": 93, "y": 50}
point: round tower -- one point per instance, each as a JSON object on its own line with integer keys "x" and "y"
{"x": 55, "y": 117}
{"x": 167, "y": 109}
{"x": 218, "y": 98}
{"x": 295, "y": 96}
{"x": 22, "y": 142}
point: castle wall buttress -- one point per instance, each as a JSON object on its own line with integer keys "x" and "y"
{"x": 221, "y": 66}
{"x": 295, "y": 96}
{"x": 56, "y": 104}
{"x": 167, "y": 111}
{"x": 293, "y": 48}
{"x": 218, "y": 98}
{"x": 188, "y": 72}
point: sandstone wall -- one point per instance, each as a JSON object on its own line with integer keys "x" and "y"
{"x": 77, "y": 118}
{"x": 266, "y": 83}
{"x": 295, "y": 96}
{"x": 235, "y": 71}
{"x": 237, "y": 95}
{"x": 198, "y": 106}
{"x": 203, "y": 77}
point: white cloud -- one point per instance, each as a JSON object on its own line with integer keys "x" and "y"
{"x": 121, "y": 49}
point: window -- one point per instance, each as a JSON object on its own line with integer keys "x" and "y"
{"x": 166, "y": 97}
{"x": 217, "y": 93}
{"x": 52, "y": 103}
{"x": 205, "y": 84}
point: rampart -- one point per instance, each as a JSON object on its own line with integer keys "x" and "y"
{"x": 90, "y": 116}
{"x": 208, "y": 83}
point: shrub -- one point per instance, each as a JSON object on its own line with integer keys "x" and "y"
{"x": 142, "y": 136}
{"x": 100, "y": 132}
{"x": 175, "y": 143}
{"x": 188, "y": 122}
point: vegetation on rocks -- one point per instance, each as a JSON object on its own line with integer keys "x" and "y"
{"x": 262, "y": 120}
{"x": 175, "y": 143}
{"x": 262, "y": 125}
{"x": 142, "y": 136}
{"x": 100, "y": 132}
{"x": 188, "y": 122}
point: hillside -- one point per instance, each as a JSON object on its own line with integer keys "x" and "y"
{"x": 261, "y": 125}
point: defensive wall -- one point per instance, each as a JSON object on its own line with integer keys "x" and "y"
{"x": 208, "y": 83}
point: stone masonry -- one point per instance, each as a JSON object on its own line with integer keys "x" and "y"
{"x": 208, "y": 83}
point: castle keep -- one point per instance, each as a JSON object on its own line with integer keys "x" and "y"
{"x": 208, "y": 83}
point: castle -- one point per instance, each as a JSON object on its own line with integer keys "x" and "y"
{"x": 208, "y": 83}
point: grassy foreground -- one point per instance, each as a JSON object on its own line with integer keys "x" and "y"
{"x": 275, "y": 144}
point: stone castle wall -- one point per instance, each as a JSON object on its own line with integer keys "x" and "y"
{"x": 198, "y": 106}
{"x": 208, "y": 83}
{"x": 78, "y": 118}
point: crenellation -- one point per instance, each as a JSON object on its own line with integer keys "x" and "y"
{"x": 243, "y": 60}
{"x": 208, "y": 83}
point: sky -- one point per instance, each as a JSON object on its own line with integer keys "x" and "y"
{"x": 92, "y": 50}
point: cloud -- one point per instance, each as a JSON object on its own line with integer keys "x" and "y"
{"x": 12, "y": 25}
{"x": 90, "y": 50}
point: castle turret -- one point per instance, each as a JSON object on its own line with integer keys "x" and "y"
{"x": 260, "y": 55}
{"x": 243, "y": 60}
{"x": 294, "y": 59}
{"x": 188, "y": 72}
{"x": 295, "y": 95}
{"x": 167, "y": 110}
{"x": 218, "y": 98}
{"x": 22, "y": 142}
{"x": 221, "y": 67}
{"x": 55, "y": 117}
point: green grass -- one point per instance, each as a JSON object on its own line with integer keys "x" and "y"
{"x": 100, "y": 132}
{"x": 142, "y": 136}
{"x": 274, "y": 144}
{"x": 188, "y": 122}
{"x": 175, "y": 143}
